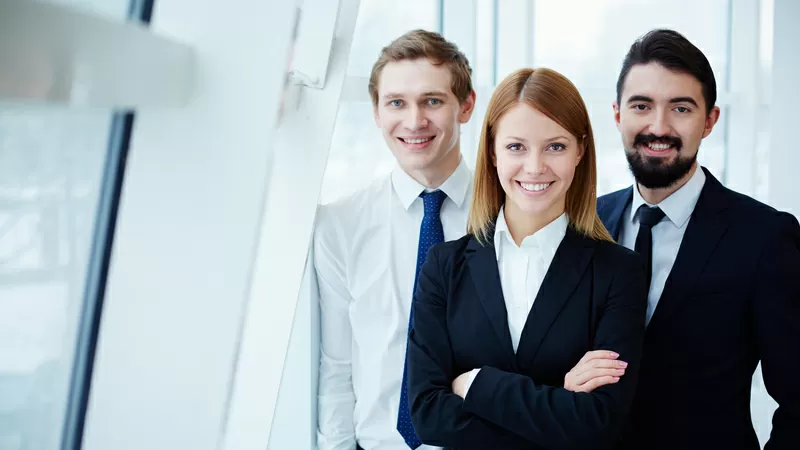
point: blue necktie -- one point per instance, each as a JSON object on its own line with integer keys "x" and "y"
{"x": 430, "y": 233}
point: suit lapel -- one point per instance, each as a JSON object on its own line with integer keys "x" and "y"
{"x": 563, "y": 276}
{"x": 611, "y": 212}
{"x": 706, "y": 227}
{"x": 482, "y": 262}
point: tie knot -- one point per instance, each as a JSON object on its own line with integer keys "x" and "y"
{"x": 649, "y": 216}
{"x": 433, "y": 201}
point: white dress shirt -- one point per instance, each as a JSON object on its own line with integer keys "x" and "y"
{"x": 667, "y": 234}
{"x": 522, "y": 270}
{"x": 365, "y": 255}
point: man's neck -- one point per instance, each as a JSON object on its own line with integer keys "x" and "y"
{"x": 656, "y": 196}
{"x": 433, "y": 177}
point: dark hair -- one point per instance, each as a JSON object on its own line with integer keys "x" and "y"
{"x": 673, "y": 51}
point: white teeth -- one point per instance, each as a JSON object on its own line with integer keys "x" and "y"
{"x": 535, "y": 187}
{"x": 418, "y": 141}
{"x": 660, "y": 146}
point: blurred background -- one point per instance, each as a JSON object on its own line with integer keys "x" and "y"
{"x": 161, "y": 165}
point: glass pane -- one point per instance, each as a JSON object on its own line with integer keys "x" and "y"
{"x": 52, "y": 164}
{"x": 589, "y": 48}
{"x": 381, "y": 21}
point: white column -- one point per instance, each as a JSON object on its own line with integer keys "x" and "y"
{"x": 784, "y": 154}
{"x": 188, "y": 233}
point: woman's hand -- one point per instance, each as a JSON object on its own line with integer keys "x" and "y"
{"x": 460, "y": 384}
{"x": 596, "y": 368}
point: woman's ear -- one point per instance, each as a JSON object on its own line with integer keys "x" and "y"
{"x": 581, "y": 149}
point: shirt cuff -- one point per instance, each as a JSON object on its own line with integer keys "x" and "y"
{"x": 471, "y": 378}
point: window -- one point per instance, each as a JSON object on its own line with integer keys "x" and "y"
{"x": 358, "y": 151}
{"x": 588, "y": 48}
{"x": 57, "y": 169}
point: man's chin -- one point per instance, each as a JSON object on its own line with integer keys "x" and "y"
{"x": 658, "y": 172}
{"x": 659, "y": 177}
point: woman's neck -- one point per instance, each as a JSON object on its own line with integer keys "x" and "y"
{"x": 523, "y": 224}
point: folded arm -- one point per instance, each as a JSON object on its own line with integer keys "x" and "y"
{"x": 500, "y": 402}
{"x": 436, "y": 412}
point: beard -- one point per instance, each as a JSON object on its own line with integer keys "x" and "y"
{"x": 653, "y": 172}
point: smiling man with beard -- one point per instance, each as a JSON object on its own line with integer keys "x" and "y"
{"x": 724, "y": 288}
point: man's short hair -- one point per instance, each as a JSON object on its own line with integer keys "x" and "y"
{"x": 432, "y": 46}
{"x": 672, "y": 50}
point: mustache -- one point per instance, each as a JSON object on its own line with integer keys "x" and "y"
{"x": 646, "y": 139}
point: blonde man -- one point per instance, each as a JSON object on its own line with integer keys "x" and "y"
{"x": 369, "y": 246}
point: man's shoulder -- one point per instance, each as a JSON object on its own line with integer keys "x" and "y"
{"x": 613, "y": 198}
{"x": 608, "y": 203}
{"x": 348, "y": 208}
{"x": 756, "y": 214}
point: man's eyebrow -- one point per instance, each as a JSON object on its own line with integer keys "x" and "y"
{"x": 639, "y": 98}
{"x": 434, "y": 94}
{"x": 683, "y": 100}
{"x": 644, "y": 98}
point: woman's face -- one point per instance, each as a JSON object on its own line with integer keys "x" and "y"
{"x": 536, "y": 160}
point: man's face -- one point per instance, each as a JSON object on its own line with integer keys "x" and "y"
{"x": 419, "y": 115}
{"x": 662, "y": 118}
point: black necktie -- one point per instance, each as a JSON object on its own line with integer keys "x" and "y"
{"x": 644, "y": 240}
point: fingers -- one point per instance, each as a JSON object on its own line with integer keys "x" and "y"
{"x": 596, "y": 368}
{"x": 595, "y": 383}
{"x": 592, "y": 374}
{"x": 597, "y": 354}
{"x": 599, "y": 364}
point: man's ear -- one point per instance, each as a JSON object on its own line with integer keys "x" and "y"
{"x": 615, "y": 105}
{"x": 467, "y": 108}
{"x": 711, "y": 120}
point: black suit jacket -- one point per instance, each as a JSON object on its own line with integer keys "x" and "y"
{"x": 731, "y": 300}
{"x": 593, "y": 297}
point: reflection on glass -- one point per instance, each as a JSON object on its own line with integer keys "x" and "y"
{"x": 51, "y": 168}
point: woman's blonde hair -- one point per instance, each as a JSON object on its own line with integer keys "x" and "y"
{"x": 555, "y": 96}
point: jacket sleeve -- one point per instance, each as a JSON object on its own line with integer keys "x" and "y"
{"x": 776, "y": 306}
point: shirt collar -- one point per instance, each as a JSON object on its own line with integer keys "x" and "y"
{"x": 408, "y": 189}
{"x": 545, "y": 240}
{"x": 679, "y": 205}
